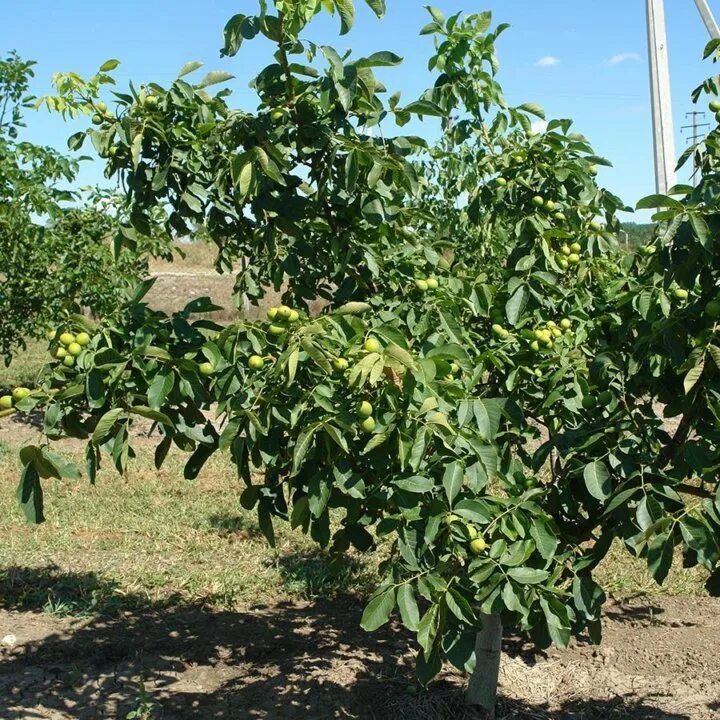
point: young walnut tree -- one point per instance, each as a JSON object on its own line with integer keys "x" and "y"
{"x": 483, "y": 397}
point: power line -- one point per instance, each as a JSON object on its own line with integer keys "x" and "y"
{"x": 696, "y": 136}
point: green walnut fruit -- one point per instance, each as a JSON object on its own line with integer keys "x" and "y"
{"x": 276, "y": 330}
{"x": 20, "y": 393}
{"x": 505, "y": 334}
{"x": 589, "y": 402}
{"x": 538, "y": 201}
{"x": 68, "y": 361}
{"x": 538, "y": 373}
{"x": 596, "y": 226}
{"x": 714, "y": 106}
{"x": 604, "y": 398}
{"x": 101, "y": 107}
{"x": 365, "y": 409}
{"x": 563, "y": 263}
{"x": 432, "y": 283}
{"x": 97, "y": 119}
{"x": 478, "y": 546}
{"x": 294, "y": 316}
{"x": 340, "y": 364}
{"x": 565, "y": 250}
{"x": 451, "y": 518}
{"x": 549, "y": 205}
{"x": 518, "y": 157}
{"x": 535, "y": 346}
{"x": 151, "y": 102}
{"x": 471, "y": 531}
{"x": 272, "y": 313}
{"x": 560, "y": 217}
{"x": 421, "y": 285}
{"x": 60, "y": 353}
{"x": 277, "y": 115}
{"x": 368, "y": 424}
{"x": 284, "y": 312}
{"x": 497, "y": 329}
{"x": 67, "y": 338}
{"x": 556, "y": 332}
{"x": 50, "y": 334}
{"x": 6, "y": 402}
{"x": 648, "y": 250}
{"x": 713, "y": 308}
{"x": 681, "y": 293}
{"x": 576, "y": 247}
{"x": 454, "y": 368}
{"x": 565, "y": 324}
{"x": 74, "y": 349}
{"x": 501, "y": 182}
{"x": 573, "y": 258}
{"x": 372, "y": 345}
{"x": 206, "y": 368}
{"x": 82, "y": 339}
{"x": 255, "y": 362}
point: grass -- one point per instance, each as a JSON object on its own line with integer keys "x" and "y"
{"x": 155, "y": 538}
{"x": 196, "y": 256}
{"x": 624, "y": 576}
{"x": 25, "y": 367}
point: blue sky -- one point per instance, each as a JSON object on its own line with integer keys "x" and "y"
{"x": 580, "y": 59}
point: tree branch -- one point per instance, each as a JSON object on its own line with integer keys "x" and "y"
{"x": 700, "y": 492}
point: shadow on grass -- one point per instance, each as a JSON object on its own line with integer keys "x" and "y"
{"x": 231, "y": 525}
{"x": 313, "y": 574}
{"x": 290, "y": 661}
{"x": 51, "y": 591}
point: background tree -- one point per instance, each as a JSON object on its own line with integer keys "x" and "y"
{"x": 55, "y": 242}
{"x": 635, "y": 235}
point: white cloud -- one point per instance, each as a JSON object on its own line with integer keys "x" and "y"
{"x": 538, "y": 126}
{"x": 624, "y": 57}
{"x": 547, "y": 61}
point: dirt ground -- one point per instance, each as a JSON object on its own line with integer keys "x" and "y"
{"x": 659, "y": 661}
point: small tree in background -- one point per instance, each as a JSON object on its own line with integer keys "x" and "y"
{"x": 56, "y": 254}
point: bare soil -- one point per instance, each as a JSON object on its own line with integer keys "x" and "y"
{"x": 293, "y": 661}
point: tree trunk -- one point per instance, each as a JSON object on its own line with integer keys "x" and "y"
{"x": 482, "y": 688}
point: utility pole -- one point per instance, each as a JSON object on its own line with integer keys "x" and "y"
{"x": 663, "y": 134}
{"x": 696, "y": 135}
{"x": 708, "y": 19}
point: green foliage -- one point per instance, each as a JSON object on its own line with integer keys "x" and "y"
{"x": 637, "y": 235}
{"x": 512, "y": 356}
{"x": 665, "y": 351}
{"x": 55, "y": 258}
